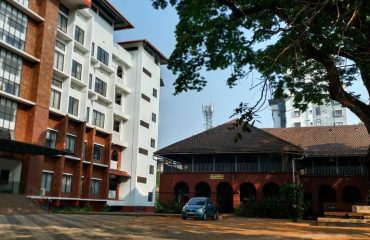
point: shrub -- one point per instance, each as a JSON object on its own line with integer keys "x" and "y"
{"x": 168, "y": 207}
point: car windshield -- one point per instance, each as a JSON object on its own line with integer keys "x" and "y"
{"x": 196, "y": 201}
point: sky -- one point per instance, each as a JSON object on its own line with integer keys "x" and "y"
{"x": 181, "y": 115}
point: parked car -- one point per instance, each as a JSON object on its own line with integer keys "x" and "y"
{"x": 201, "y": 208}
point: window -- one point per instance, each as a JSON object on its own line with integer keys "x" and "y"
{"x": 114, "y": 156}
{"x": 88, "y": 114}
{"x": 57, "y": 83}
{"x": 154, "y": 117}
{"x": 143, "y": 151}
{"x": 338, "y": 123}
{"x": 296, "y": 113}
{"x": 60, "y": 45}
{"x": 73, "y": 106}
{"x": 90, "y": 80}
{"x": 145, "y": 97}
{"x": 10, "y": 71}
{"x": 63, "y": 18}
{"x": 70, "y": 143}
{"x": 79, "y": 35}
{"x": 98, "y": 152}
{"x": 59, "y": 60}
{"x": 338, "y": 113}
{"x": 98, "y": 119}
{"x": 318, "y": 122}
{"x": 144, "y": 124}
{"x": 103, "y": 56}
{"x": 95, "y": 185}
{"x": 46, "y": 179}
{"x": 55, "y": 99}
{"x": 100, "y": 87}
{"x": 152, "y": 143}
{"x": 8, "y": 111}
{"x": 120, "y": 71}
{"x": 118, "y": 98}
{"x": 141, "y": 179}
{"x": 147, "y": 72}
{"x": 13, "y": 24}
{"x": 150, "y": 196}
{"x": 155, "y": 92}
{"x": 151, "y": 169}
{"x": 297, "y": 124}
{"x": 116, "y": 124}
{"x": 51, "y": 138}
{"x": 92, "y": 49}
{"x": 76, "y": 70}
{"x": 318, "y": 111}
{"x": 4, "y": 176}
{"x": 66, "y": 183}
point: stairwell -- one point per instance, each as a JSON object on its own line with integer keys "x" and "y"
{"x": 17, "y": 204}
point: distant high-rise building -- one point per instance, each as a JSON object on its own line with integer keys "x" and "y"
{"x": 285, "y": 115}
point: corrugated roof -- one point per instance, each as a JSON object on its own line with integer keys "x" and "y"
{"x": 333, "y": 140}
{"x": 220, "y": 139}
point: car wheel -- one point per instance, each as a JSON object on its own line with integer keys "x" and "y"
{"x": 183, "y": 218}
{"x": 215, "y": 216}
{"x": 205, "y": 216}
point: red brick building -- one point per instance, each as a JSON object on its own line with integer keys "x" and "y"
{"x": 328, "y": 162}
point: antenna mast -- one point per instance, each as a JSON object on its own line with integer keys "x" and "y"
{"x": 208, "y": 111}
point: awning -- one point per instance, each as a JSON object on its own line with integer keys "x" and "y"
{"x": 119, "y": 173}
{"x": 12, "y": 146}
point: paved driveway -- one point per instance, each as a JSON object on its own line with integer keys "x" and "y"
{"x": 56, "y": 226}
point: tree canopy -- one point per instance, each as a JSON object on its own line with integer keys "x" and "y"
{"x": 309, "y": 49}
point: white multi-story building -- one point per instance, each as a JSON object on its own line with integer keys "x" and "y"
{"x": 115, "y": 89}
{"x": 285, "y": 115}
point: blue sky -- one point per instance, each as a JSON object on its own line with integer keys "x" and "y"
{"x": 181, "y": 115}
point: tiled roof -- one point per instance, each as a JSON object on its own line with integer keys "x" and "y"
{"x": 326, "y": 141}
{"x": 221, "y": 140}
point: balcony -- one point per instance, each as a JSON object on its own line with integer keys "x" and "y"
{"x": 118, "y": 111}
{"x": 122, "y": 85}
{"x": 116, "y": 139}
{"x": 335, "y": 171}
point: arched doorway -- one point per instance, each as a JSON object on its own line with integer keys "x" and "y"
{"x": 202, "y": 189}
{"x": 225, "y": 197}
{"x": 247, "y": 193}
{"x": 270, "y": 190}
{"x": 351, "y": 194}
{"x": 327, "y": 194}
{"x": 181, "y": 194}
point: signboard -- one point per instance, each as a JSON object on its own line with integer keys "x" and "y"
{"x": 216, "y": 176}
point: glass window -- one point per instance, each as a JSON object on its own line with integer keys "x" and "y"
{"x": 98, "y": 119}
{"x": 100, "y": 87}
{"x": 59, "y": 60}
{"x": 57, "y": 83}
{"x": 95, "y": 185}
{"x": 8, "y": 111}
{"x": 338, "y": 113}
{"x": 151, "y": 169}
{"x": 120, "y": 71}
{"x": 116, "y": 124}
{"x": 154, "y": 117}
{"x": 92, "y": 49}
{"x": 76, "y": 70}
{"x": 46, "y": 179}
{"x": 63, "y": 18}
{"x": 297, "y": 124}
{"x": 114, "y": 156}
{"x": 10, "y": 72}
{"x": 155, "y": 93}
{"x": 90, "y": 80}
{"x": 87, "y": 114}
{"x": 73, "y": 106}
{"x": 318, "y": 122}
{"x": 150, "y": 196}
{"x": 13, "y": 24}
{"x": 98, "y": 152}
{"x": 55, "y": 99}
{"x": 296, "y": 113}
{"x": 118, "y": 98}
{"x": 66, "y": 183}
{"x": 70, "y": 143}
{"x": 79, "y": 35}
{"x": 51, "y": 138}
{"x": 318, "y": 111}
{"x": 152, "y": 143}
{"x": 103, "y": 56}
{"x": 61, "y": 46}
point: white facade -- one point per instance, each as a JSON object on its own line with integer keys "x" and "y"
{"x": 285, "y": 115}
{"x": 108, "y": 86}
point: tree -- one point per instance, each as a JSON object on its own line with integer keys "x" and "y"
{"x": 325, "y": 41}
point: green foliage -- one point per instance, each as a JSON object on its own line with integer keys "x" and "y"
{"x": 287, "y": 205}
{"x": 71, "y": 209}
{"x": 168, "y": 207}
{"x": 287, "y": 42}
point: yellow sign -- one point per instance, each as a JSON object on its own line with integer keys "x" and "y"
{"x": 216, "y": 176}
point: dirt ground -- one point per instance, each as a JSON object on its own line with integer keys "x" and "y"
{"x": 57, "y": 226}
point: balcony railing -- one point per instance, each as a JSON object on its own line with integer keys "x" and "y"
{"x": 336, "y": 171}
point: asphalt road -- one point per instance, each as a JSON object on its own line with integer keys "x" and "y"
{"x": 58, "y": 226}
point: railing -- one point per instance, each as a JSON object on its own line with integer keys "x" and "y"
{"x": 9, "y": 187}
{"x": 270, "y": 167}
{"x": 247, "y": 167}
{"x": 336, "y": 171}
{"x": 112, "y": 194}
